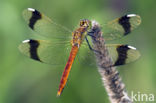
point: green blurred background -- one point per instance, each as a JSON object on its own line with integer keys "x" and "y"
{"x": 23, "y": 80}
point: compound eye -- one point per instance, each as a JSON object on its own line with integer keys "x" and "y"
{"x": 81, "y": 23}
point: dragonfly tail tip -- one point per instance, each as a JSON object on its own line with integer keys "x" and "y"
{"x": 58, "y": 94}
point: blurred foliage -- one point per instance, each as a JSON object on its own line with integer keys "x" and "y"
{"x": 26, "y": 81}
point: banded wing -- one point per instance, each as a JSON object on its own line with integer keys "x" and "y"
{"x": 122, "y": 54}
{"x": 45, "y": 51}
{"x": 50, "y": 53}
{"x": 121, "y": 26}
{"x": 119, "y": 53}
{"x": 43, "y": 25}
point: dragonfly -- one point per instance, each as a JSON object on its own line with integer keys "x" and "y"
{"x": 51, "y": 50}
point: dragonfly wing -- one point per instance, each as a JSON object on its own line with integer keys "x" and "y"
{"x": 121, "y": 26}
{"x": 43, "y": 25}
{"x": 122, "y": 54}
{"x": 45, "y": 51}
{"x": 85, "y": 55}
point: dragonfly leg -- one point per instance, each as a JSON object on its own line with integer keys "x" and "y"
{"x": 90, "y": 46}
{"x": 91, "y": 34}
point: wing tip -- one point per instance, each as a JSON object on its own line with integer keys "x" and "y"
{"x": 131, "y": 47}
{"x": 135, "y": 16}
{"x": 31, "y": 9}
{"x": 26, "y": 41}
{"x": 131, "y": 15}
{"x": 135, "y": 49}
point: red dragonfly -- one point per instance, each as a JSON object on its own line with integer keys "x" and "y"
{"x": 48, "y": 51}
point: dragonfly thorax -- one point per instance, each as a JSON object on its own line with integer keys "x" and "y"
{"x": 78, "y": 36}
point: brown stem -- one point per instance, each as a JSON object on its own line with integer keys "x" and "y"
{"x": 110, "y": 76}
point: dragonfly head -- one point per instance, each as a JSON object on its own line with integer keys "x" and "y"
{"x": 85, "y": 23}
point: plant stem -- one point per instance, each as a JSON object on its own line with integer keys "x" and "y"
{"x": 110, "y": 76}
